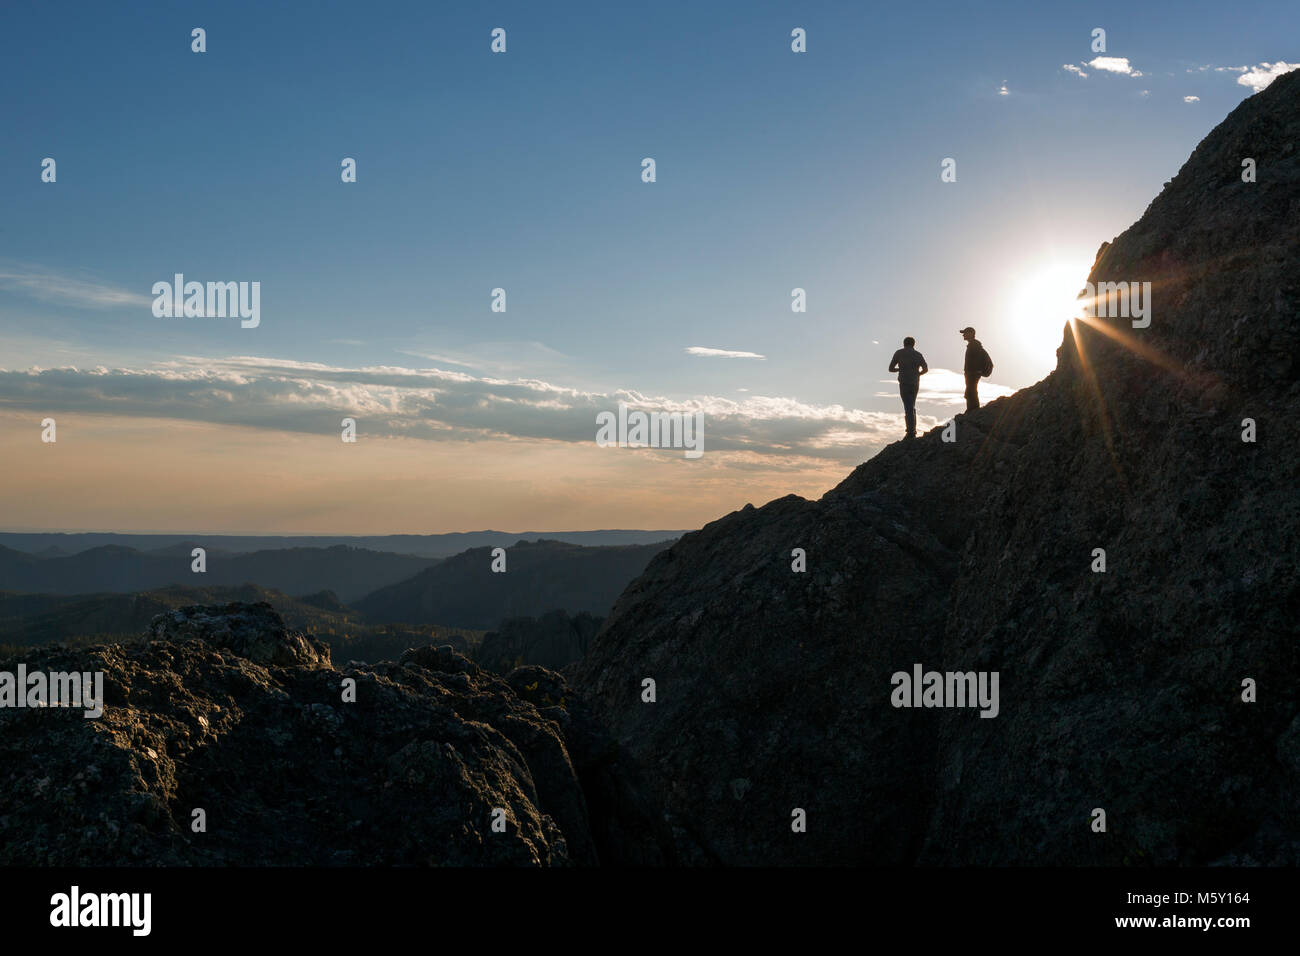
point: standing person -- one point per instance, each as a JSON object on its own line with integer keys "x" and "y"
{"x": 977, "y": 364}
{"x": 910, "y": 366}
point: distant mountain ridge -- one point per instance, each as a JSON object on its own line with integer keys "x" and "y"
{"x": 348, "y": 572}
{"x": 420, "y": 545}
{"x": 111, "y": 592}
{"x": 540, "y": 576}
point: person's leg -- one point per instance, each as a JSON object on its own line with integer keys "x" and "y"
{"x": 972, "y": 392}
{"x": 908, "y": 391}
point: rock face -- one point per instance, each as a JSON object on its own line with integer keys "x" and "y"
{"x": 1120, "y": 690}
{"x": 227, "y": 711}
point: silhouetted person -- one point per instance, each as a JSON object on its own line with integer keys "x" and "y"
{"x": 977, "y": 364}
{"x": 910, "y": 366}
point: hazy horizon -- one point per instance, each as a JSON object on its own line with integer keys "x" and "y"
{"x": 328, "y": 534}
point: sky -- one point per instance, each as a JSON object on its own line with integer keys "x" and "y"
{"x": 522, "y": 170}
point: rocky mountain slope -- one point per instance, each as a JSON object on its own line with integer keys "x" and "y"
{"x": 226, "y": 711}
{"x": 1120, "y": 690}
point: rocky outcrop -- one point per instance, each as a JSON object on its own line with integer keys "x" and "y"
{"x": 626, "y": 822}
{"x": 254, "y": 631}
{"x": 1120, "y": 690}
{"x": 227, "y": 712}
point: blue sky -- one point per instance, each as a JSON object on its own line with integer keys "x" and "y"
{"x": 521, "y": 170}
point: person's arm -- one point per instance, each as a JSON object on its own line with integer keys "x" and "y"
{"x": 924, "y": 368}
{"x": 893, "y": 363}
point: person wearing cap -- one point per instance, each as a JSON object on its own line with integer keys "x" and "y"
{"x": 977, "y": 364}
{"x": 910, "y": 366}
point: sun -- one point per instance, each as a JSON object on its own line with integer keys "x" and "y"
{"x": 1042, "y": 300}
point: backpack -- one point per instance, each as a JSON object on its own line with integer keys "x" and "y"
{"x": 988, "y": 363}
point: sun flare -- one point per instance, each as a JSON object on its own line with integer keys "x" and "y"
{"x": 1041, "y": 303}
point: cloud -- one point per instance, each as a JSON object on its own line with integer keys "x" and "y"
{"x": 1004, "y": 91}
{"x": 1191, "y": 99}
{"x": 1075, "y": 70}
{"x": 721, "y": 353}
{"x": 1114, "y": 64}
{"x": 429, "y": 404}
{"x": 500, "y": 358}
{"x": 1261, "y": 76}
{"x": 69, "y": 290}
{"x": 1256, "y": 77}
{"x": 435, "y": 357}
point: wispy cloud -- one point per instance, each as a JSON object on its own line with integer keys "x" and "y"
{"x": 435, "y": 357}
{"x": 1070, "y": 67}
{"x": 68, "y": 290}
{"x": 429, "y": 404}
{"x": 721, "y": 353}
{"x": 500, "y": 358}
{"x": 1114, "y": 64}
{"x": 1191, "y": 99}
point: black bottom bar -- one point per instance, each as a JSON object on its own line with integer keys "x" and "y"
{"x": 332, "y": 906}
